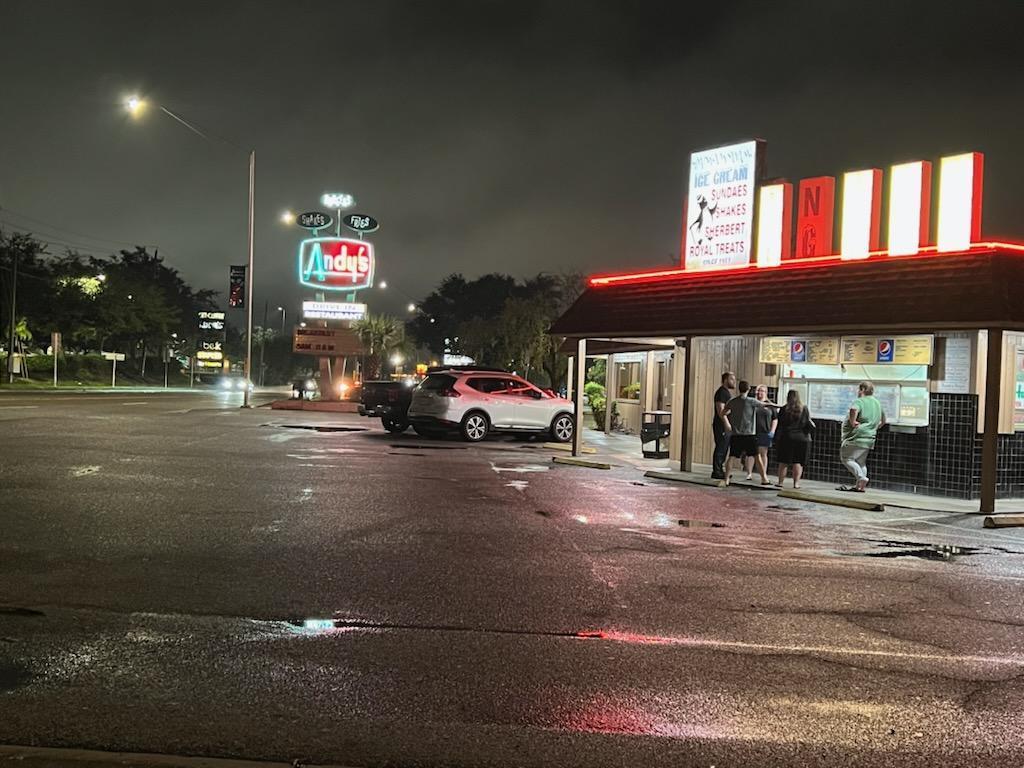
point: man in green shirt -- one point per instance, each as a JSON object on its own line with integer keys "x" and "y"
{"x": 860, "y": 427}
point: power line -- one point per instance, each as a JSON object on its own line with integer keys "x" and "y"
{"x": 54, "y": 227}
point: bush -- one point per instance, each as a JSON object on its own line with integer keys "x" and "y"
{"x": 592, "y": 389}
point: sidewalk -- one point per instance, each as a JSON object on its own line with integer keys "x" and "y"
{"x": 624, "y": 450}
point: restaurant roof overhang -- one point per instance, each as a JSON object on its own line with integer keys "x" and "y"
{"x": 979, "y": 288}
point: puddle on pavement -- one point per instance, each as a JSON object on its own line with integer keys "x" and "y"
{"x": 318, "y": 427}
{"x": 921, "y": 550}
{"x": 13, "y": 675}
{"x": 17, "y": 610}
{"x": 419, "y": 447}
{"x": 700, "y": 524}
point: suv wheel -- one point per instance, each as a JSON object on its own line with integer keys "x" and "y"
{"x": 562, "y": 428}
{"x": 475, "y": 427}
{"x": 395, "y": 426}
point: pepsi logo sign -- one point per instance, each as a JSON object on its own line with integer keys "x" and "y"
{"x": 336, "y": 263}
{"x": 885, "y": 350}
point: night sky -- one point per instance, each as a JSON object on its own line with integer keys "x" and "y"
{"x": 485, "y": 136}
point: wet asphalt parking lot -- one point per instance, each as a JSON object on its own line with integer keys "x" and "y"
{"x": 181, "y": 576}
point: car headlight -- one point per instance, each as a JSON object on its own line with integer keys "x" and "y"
{"x": 310, "y": 385}
{"x": 226, "y": 383}
{"x": 240, "y": 384}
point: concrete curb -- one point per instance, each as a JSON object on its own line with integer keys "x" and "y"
{"x": 328, "y": 406}
{"x": 675, "y": 477}
{"x": 870, "y": 506}
{"x": 568, "y": 447}
{"x": 577, "y": 462}
{"x": 1003, "y": 521}
{"x": 52, "y": 757}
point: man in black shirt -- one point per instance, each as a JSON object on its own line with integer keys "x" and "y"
{"x": 720, "y": 426}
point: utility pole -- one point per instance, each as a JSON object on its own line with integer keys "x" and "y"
{"x": 14, "y": 304}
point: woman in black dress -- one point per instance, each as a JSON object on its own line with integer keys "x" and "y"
{"x": 793, "y": 436}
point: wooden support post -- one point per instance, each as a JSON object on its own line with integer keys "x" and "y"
{"x": 685, "y": 459}
{"x": 990, "y": 438}
{"x": 577, "y": 398}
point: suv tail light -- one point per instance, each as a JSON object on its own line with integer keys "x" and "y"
{"x": 448, "y": 392}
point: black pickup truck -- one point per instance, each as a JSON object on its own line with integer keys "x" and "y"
{"x": 390, "y": 401}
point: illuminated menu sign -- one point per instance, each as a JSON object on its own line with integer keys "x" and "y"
{"x": 719, "y": 222}
{"x": 885, "y": 350}
{"x": 782, "y": 350}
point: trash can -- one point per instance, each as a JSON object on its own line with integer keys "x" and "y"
{"x": 655, "y": 428}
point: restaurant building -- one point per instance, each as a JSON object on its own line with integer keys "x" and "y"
{"x": 918, "y": 303}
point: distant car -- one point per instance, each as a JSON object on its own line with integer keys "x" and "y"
{"x": 476, "y": 403}
{"x": 235, "y": 383}
{"x": 304, "y": 389}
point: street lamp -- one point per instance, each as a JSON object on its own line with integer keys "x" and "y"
{"x": 382, "y": 284}
{"x": 136, "y": 106}
{"x": 284, "y": 314}
{"x": 412, "y": 307}
{"x": 287, "y": 217}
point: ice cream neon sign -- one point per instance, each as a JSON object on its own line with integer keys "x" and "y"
{"x": 336, "y": 263}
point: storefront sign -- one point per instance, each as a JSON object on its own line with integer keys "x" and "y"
{"x": 896, "y": 350}
{"x": 960, "y": 179}
{"x": 210, "y": 340}
{"x": 774, "y": 224}
{"x": 816, "y": 207}
{"x": 336, "y": 263}
{"x": 720, "y": 206}
{"x": 860, "y": 225}
{"x": 333, "y": 310}
{"x": 910, "y": 188}
{"x": 956, "y": 373}
{"x": 782, "y": 350}
{"x": 326, "y": 342}
{"x": 1018, "y": 392}
{"x": 359, "y": 222}
{"x": 313, "y": 220}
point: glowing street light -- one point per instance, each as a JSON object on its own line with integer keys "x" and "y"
{"x": 287, "y": 217}
{"x": 412, "y": 307}
{"x": 136, "y": 105}
{"x": 397, "y": 360}
{"x": 382, "y": 284}
{"x": 101, "y": 277}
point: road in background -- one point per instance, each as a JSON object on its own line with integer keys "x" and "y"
{"x": 179, "y": 575}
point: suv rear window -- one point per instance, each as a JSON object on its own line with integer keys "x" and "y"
{"x": 435, "y": 382}
{"x": 488, "y": 384}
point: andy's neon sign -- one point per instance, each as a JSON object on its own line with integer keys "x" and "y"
{"x": 336, "y": 263}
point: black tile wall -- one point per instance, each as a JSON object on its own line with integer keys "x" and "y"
{"x": 943, "y": 459}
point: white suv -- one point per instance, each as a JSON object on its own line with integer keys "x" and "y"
{"x": 479, "y": 402}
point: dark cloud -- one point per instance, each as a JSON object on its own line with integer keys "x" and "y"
{"x": 513, "y": 136}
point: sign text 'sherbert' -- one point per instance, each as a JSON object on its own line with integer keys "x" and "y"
{"x": 336, "y": 263}
{"x": 720, "y": 207}
{"x": 333, "y": 310}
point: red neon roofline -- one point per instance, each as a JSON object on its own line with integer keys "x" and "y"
{"x": 818, "y": 261}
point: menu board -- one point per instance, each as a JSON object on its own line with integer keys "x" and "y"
{"x": 783, "y": 350}
{"x": 830, "y": 400}
{"x": 896, "y": 350}
{"x": 956, "y": 373}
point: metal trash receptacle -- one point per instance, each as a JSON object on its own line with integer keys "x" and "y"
{"x": 655, "y": 429}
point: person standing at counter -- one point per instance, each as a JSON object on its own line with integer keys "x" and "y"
{"x": 793, "y": 437}
{"x": 860, "y": 428}
{"x": 742, "y": 414}
{"x": 720, "y": 426}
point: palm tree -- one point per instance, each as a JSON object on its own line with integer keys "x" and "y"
{"x": 380, "y": 335}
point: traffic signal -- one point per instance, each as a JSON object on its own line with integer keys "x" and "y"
{"x": 236, "y": 289}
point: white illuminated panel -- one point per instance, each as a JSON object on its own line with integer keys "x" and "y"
{"x": 959, "y": 201}
{"x": 859, "y": 227}
{"x": 771, "y": 213}
{"x": 909, "y": 184}
{"x": 333, "y": 310}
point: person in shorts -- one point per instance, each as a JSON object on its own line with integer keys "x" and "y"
{"x": 793, "y": 438}
{"x": 766, "y": 418}
{"x": 742, "y": 414}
